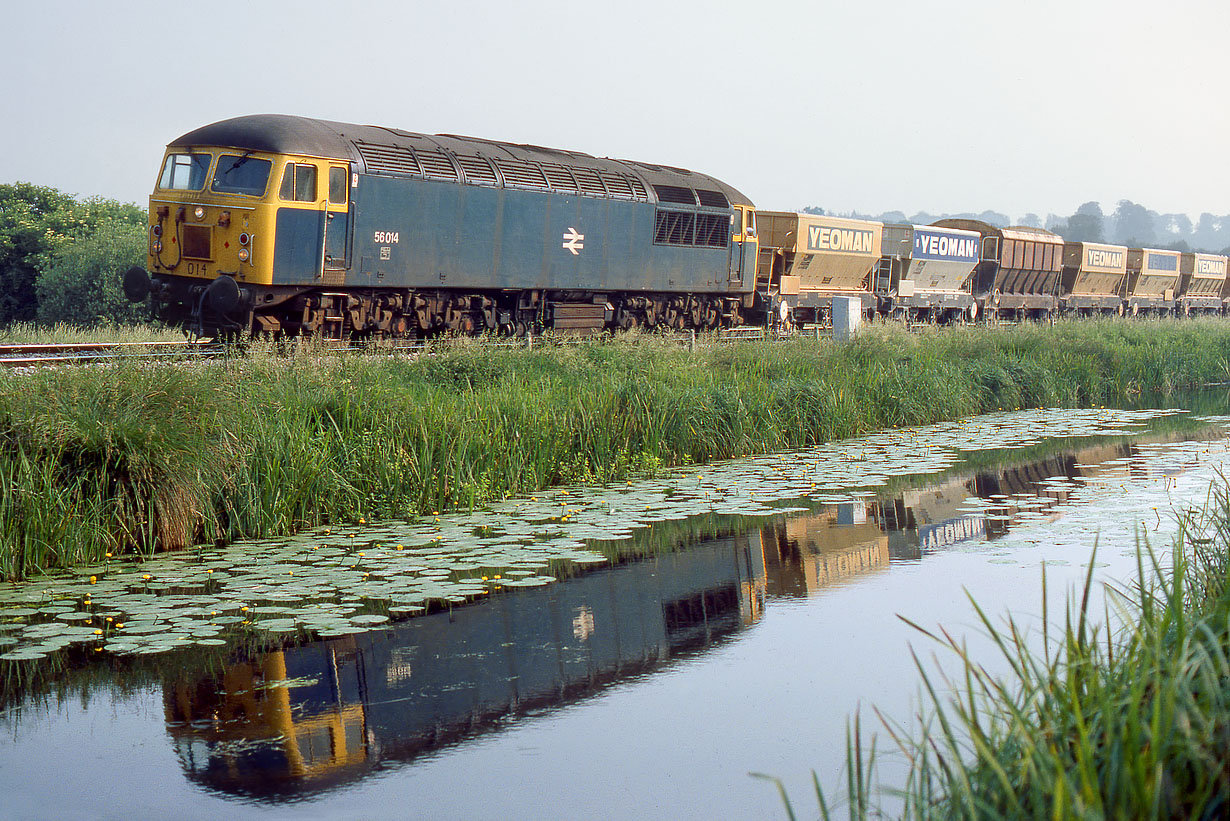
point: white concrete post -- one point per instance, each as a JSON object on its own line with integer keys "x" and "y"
{"x": 847, "y": 314}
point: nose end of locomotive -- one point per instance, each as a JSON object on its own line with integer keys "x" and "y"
{"x": 136, "y": 284}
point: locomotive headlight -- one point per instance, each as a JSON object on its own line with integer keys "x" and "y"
{"x": 244, "y": 238}
{"x": 157, "y": 246}
{"x": 244, "y": 254}
{"x": 199, "y": 213}
{"x": 156, "y": 230}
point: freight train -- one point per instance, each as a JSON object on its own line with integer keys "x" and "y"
{"x": 286, "y": 226}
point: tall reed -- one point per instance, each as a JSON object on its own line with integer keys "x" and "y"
{"x": 138, "y": 458}
{"x": 1119, "y": 714}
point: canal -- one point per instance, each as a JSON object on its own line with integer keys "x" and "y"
{"x": 599, "y": 653}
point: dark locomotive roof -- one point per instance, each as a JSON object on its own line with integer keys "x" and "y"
{"x": 380, "y": 150}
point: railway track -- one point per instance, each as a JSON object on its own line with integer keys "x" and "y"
{"x": 82, "y": 353}
{"x": 79, "y": 353}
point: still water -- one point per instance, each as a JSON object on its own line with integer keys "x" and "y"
{"x": 721, "y": 637}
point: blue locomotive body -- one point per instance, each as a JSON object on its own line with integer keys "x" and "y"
{"x": 346, "y": 230}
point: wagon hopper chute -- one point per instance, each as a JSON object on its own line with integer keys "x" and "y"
{"x": 1202, "y": 278}
{"x": 806, "y": 260}
{"x": 1152, "y": 281}
{"x": 1018, "y": 275}
{"x": 1093, "y": 277}
{"x": 926, "y": 272}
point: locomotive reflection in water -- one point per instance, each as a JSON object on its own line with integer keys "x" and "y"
{"x": 312, "y": 717}
{"x": 309, "y": 718}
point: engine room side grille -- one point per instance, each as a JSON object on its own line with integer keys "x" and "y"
{"x": 712, "y": 199}
{"x": 521, "y": 174}
{"x": 712, "y": 230}
{"x": 478, "y": 170}
{"x": 674, "y": 228}
{"x": 388, "y": 159}
{"x": 675, "y": 193}
{"x": 437, "y": 165}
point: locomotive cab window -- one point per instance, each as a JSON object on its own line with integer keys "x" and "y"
{"x": 184, "y": 172}
{"x": 299, "y": 183}
{"x": 337, "y": 186}
{"x": 241, "y": 175}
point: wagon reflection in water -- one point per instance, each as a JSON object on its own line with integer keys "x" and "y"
{"x": 308, "y": 718}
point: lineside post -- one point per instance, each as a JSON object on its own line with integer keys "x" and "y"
{"x": 847, "y": 314}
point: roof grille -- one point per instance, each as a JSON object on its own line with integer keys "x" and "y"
{"x": 436, "y": 164}
{"x": 675, "y": 193}
{"x": 559, "y": 178}
{"x": 638, "y": 189}
{"x": 712, "y": 199}
{"x": 477, "y": 170}
{"x": 521, "y": 174}
{"x": 589, "y": 181}
{"x": 388, "y": 159}
{"x": 617, "y": 185}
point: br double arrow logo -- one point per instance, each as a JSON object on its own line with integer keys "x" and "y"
{"x": 573, "y": 241}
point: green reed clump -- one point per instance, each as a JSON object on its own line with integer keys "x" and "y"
{"x": 124, "y": 458}
{"x": 1129, "y": 722}
{"x": 1101, "y": 721}
{"x": 136, "y": 458}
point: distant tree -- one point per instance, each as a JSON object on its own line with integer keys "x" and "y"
{"x": 31, "y": 218}
{"x": 1085, "y": 225}
{"x": 1175, "y": 226}
{"x": 1134, "y": 225}
{"x": 1204, "y": 233}
{"x": 995, "y": 218}
{"x": 1056, "y": 223}
{"x": 79, "y": 281}
{"x": 35, "y": 221}
{"x": 923, "y": 218}
{"x": 892, "y": 216}
{"x": 1031, "y": 220}
{"x": 814, "y": 210}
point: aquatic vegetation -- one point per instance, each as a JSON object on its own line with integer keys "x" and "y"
{"x": 341, "y": 580}
{"x": 135, "y": 459}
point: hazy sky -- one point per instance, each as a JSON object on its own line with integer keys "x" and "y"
{"x": 941, "y": 106}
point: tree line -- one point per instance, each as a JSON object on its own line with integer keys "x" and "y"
{"x": 62, "y": 258}
{"x": 1130, "y": 224}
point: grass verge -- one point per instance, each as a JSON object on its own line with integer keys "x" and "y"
{"x": 136, "y": 458}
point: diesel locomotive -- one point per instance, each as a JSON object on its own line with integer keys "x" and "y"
{"x": 280, "y": 225}
{"x": 288, "y": 225}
